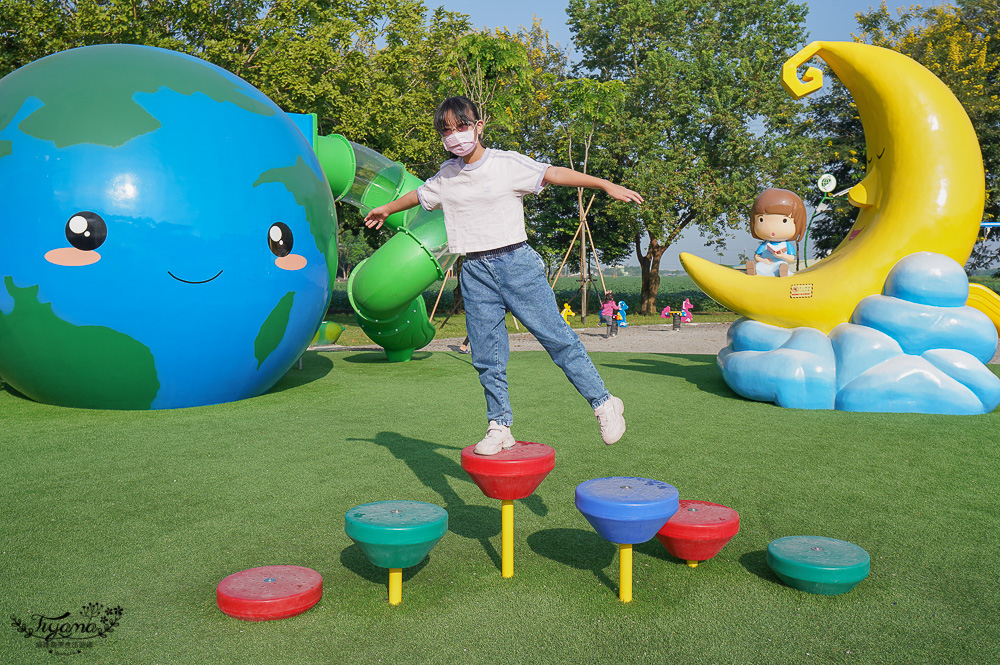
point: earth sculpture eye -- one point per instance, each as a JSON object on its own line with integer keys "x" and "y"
{"x": 86, "y": 230}
{"x": 279, "y": 239}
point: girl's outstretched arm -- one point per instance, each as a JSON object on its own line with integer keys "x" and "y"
{"x": 378, "y": 215}
{"x": 559, "y": 175}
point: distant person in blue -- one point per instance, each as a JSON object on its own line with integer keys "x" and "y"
{"x": 480, "y": 190}
{"x": 778, "y": 219}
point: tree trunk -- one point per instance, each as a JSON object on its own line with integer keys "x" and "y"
{"x": 584, "y": 285}
{"x": 650, "y": 264}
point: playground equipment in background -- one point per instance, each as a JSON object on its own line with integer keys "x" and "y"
{"x": 819, "y": 565}
{"x": 686, "y": 311}
{"x": 514, "y": 473}
{"x": 191, "y": 263}
{"x": 678, "y": 317}
{"x": 622, "y": 321}
{"x": 684, "y": 314}
{"x": 567, "y": 312}
{"x": 698, "y": 530}
{"x": 626, "y": 510}
{"x": 385, "y": 290}
{"x": 329, "y": 332}
{"x": 269, "y": 592}
{"x": 396, "y": 535}
{"x": 924, "y": 190}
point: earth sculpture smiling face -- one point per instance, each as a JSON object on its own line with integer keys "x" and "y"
{"x": 168, "y": 232}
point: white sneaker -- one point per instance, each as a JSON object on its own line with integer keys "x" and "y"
{"x": 611, "y": 416}
{"x": 498, "y": 437}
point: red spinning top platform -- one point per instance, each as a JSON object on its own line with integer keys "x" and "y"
{"x": 269, "y": 592}
{"x": 510, "y": 474}
{"x": 699, "y": 530}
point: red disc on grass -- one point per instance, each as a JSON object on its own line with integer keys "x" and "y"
{"x": 698, "y": 530}
{"x": 510, "y": 474}
{"x": 269, "y": 592}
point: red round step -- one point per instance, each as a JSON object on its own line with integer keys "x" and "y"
{"x": 269, "y": 592}
{"x": 514, "y": 473}
{"x": 699, "y": 530}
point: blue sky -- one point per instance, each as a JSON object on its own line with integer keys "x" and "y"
{"x": 831, "y": 20}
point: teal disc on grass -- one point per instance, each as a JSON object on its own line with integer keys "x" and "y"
{"x": 396, "y": 534}
{"x": 819, "y": 565}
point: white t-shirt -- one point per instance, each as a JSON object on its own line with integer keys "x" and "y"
{"x": 482, "y": 200}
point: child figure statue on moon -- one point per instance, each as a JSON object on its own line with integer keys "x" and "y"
{"x": 480, "y": 190}
{"x": 778, "y": 218}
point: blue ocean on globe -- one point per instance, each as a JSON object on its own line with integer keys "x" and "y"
{"x": 218, "y": 220}
{"x": 917, "y": 348}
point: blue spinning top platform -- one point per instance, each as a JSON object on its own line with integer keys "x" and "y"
{"x": 625, "y": 509}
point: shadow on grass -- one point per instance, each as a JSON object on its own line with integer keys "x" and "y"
{"x": 354, "y": 559}
{"x": 378, "y": 357}
{"x": 576, "y": 548}
{"x": 435, "y": 466}
{"x": 756, "y": 563}
{"x": 700, "y": 370}
{"x": 11, "y": 390}
{"x": 653, "y": 548}
{"x": 314, "y": 367}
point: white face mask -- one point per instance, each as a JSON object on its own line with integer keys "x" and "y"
{"x": 461, "y": 143}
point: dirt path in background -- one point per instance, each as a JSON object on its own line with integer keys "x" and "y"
{"x": 656, "y": 338}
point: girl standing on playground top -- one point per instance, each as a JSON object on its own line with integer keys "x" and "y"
{"x": 480, "y": 193}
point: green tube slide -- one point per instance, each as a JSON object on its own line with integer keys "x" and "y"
{"x": 386, "y": 289}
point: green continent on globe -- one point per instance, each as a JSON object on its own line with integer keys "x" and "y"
{"x": 314, "y": 196}
{"x": 273, "y": 329}
{"x": 87, "y": 93}
{"x": 89, "y": 367}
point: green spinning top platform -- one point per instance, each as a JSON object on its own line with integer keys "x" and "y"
{"x": 396, "y": 535}
{"x": 815, "y": 564}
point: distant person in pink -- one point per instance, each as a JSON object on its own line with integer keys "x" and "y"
{"x": 608, "y": 314}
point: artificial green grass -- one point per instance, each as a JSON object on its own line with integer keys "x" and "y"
{"x": 150, "y": 510}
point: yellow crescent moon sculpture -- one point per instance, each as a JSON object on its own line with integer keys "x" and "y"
{"x": 924, "y": 191}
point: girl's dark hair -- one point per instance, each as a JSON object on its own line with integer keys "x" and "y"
{"x": 462, "y": 108}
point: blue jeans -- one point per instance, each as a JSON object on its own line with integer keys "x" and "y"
{"x": 516, "y": 282}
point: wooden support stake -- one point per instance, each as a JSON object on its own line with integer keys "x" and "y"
{"x": 447, "y": 276}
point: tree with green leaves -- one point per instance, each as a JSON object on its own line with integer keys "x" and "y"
{"x": 579, "y": 112}
{"x": 706, "y": 125}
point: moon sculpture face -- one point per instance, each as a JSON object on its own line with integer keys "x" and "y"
{"x": 166, "y": 231}
{"x": 924, "y": 190}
